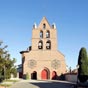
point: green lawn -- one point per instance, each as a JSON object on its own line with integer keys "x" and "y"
{"x": 7, "y": 84}
{"x": 8, "y": 80}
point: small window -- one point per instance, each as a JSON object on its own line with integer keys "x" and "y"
{"x": 48, "y": 44}
{"x": 44, "y": 26}
{"x": 47, "y": 34}
{"x": 40, "y": 45}
{"x": 41, "y": 34}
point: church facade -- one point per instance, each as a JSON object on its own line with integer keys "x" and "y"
{"x": 42, "y": 60}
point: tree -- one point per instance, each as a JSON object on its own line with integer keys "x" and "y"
{"x": 10, "y": 68}
{"x": 6, "y": 63}
{"x": 3, "y": 55}
{"x": 83, "y": 65}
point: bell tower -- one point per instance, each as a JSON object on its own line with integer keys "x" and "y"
{"x": 44, "y": 36}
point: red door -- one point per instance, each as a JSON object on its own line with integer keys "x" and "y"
{"x": 54, "y": 75}
{"x": 44, "y": 74}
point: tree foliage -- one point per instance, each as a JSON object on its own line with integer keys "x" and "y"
{"x": 6, "y": 63}
{"x": 83, "y": 65}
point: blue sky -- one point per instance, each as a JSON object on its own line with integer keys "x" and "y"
{"x": 71, "y": 17}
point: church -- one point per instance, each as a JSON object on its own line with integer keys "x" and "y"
{"x": 42, "y": 60}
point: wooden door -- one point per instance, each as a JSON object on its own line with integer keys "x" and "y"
{"x": 44, "y": 74}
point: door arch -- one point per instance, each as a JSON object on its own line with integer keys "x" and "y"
{"x": 45, "y": 74}
{"x": 34, "y": 75}
{"x": 54, "y": 75}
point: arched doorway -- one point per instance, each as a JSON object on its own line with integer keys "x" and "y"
{"x": 54, "y": 75}
{"x": 34, "y": 75}
{"x": 45, "y": 74}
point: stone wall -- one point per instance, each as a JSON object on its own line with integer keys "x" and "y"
{"x": 71, "y": 77}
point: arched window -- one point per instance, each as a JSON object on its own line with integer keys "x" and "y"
{"x": 44, "y": 26}
{"x": 41, "y": 34}
{"x": 48, "y": 44}
{"x": 40, "y": 45}
{"x": 48, "y": 34}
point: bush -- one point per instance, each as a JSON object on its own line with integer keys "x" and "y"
{"x": 14, "y": 72}
{"x": 62, "y": 77}
{"x": 82, "y": 78}
{"x": 27, "y": 76}
{"x": 1, "y": 78}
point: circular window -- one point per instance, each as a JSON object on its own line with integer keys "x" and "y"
{"x": 32, "y": 63}
{"x": 55, "y": 64}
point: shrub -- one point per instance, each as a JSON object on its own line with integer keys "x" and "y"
{"x": 27, "y": 76}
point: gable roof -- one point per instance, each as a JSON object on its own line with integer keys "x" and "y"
{"x": 44, "y": 21}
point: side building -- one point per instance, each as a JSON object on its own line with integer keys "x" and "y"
{"x": 42, "y": 60}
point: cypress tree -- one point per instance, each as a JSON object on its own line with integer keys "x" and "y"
{"x": 83, "y": 65}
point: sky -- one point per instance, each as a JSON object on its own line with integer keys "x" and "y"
{"x": 70, "y": 16}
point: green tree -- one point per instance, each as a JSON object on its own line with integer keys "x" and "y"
{"x": 83, "y": 65}
{"x": 3, "y": 55}
{"x": 10, "y": 68}
{"x": 6, "y": 63}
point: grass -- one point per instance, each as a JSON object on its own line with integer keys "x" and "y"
{"x": 8, "y": 80}
{"x": 5, "y": 85}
